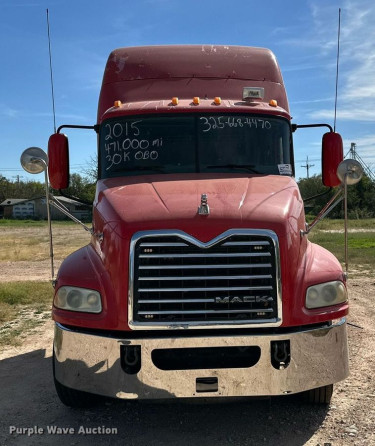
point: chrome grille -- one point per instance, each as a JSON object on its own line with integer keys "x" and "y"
{"x": 178, "y": 280}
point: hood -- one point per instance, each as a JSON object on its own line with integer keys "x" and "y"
{"x": 172, "y": 201}
{"x": 125, "y": 206}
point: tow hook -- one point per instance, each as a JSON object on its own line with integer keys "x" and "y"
{"x": 131, "y": 359}
{"x": 280, "y": 354}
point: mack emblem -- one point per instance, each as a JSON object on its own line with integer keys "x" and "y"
{"x": 243, "y": 299}
{"x": 204, "y": 209}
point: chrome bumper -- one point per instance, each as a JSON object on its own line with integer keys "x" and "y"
{"x": 92, "y": 363}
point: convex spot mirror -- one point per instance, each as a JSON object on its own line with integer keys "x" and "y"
{"x": 350, "y": 169}
{"x": 58, "y": 165}
{"x": 332, "y": 155}
{"x": 34, "y": 160}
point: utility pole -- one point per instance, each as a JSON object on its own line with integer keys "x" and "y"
{"x": 18, "y": 178}
{"x": 307, "y": 166}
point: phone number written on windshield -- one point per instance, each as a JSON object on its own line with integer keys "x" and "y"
{"x": 210, "y": 123}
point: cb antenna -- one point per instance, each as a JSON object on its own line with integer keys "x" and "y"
{"x": 51, "y": 74}
{"x": 337, "y": 67}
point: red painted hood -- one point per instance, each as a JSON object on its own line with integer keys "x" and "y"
{"x": 171, "y": 201}
{"x": 124, "y": 206}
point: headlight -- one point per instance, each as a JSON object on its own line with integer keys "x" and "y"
{"x": 326, "y": 294}
{"x": 78, "y": 299}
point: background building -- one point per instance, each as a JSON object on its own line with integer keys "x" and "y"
{"x": 36, "y": 208}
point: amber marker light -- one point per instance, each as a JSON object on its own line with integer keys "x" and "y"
{"x": 174, "y": 101}
{"x": 273, "y": 103}
{"x": 217, "y": 100}
{"x": 196, "y": 100}
{"x": 117, "y": 104}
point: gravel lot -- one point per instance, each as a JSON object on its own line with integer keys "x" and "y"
{"x": 28, "y": 401}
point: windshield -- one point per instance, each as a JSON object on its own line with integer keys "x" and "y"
{"x": 195, "y": 143}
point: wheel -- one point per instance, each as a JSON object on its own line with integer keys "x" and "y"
{"x": 75, "y": 398}
{"x": 72, "y": 397}
{"x": 321, "y": 395}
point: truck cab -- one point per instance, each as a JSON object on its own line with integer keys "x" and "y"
{"x": 199, "y": 280}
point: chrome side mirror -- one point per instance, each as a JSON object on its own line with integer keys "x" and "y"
{"x": 350, "y": 171}
{"x": 34, "y": 160}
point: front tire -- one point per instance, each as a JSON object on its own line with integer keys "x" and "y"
{"x": 321, "y": 395}
{"x": 72, "y": 397}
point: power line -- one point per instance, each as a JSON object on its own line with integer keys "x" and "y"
{"x": 19, "y": 169}
{"x": 18, "y": 178}
{"x": 11, "y": 169}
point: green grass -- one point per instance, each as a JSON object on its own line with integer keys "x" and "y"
{"x": 19, "y": 223}
{"x": 337, "y": 224}
{"x": 10, "y": 223}
{"x": 361, "y": 245}
{"x": 25, "y": 293}
{"x": 27, "y": 240}
{"x": 23, "y": 306}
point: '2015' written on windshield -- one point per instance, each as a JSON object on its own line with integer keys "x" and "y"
{"x": 124, "y": 143}
{"x": 210, "y": 123}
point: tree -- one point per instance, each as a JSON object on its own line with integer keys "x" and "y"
{"x": 313, "y": 187}
{"x": 361, "y": 197}
{"x": 81, "y": 188}
{"x": 20, "y": 189}
{"x": 91, "y": 173}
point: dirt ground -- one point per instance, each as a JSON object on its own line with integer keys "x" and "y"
{"x": 26, "y": 250}
{"x": 24, "y": 270}
{"x": 30, "y": 409}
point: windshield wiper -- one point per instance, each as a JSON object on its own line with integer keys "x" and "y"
{"x": 248, "y": 167}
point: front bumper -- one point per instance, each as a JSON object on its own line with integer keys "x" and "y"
{"x": 93, "y": 363}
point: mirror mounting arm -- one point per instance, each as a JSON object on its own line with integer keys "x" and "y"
{"x": 87, "y": 127}
{"x": 55, "y": 203}
{"x": 349, "y": 172}
{"x": 325, "y": 211}
{"x": 303, "y": 126}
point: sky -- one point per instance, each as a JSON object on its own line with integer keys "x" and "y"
{"x": 302, "y": 34}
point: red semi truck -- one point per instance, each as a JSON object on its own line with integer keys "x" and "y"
{"x": 199, "y": 280}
